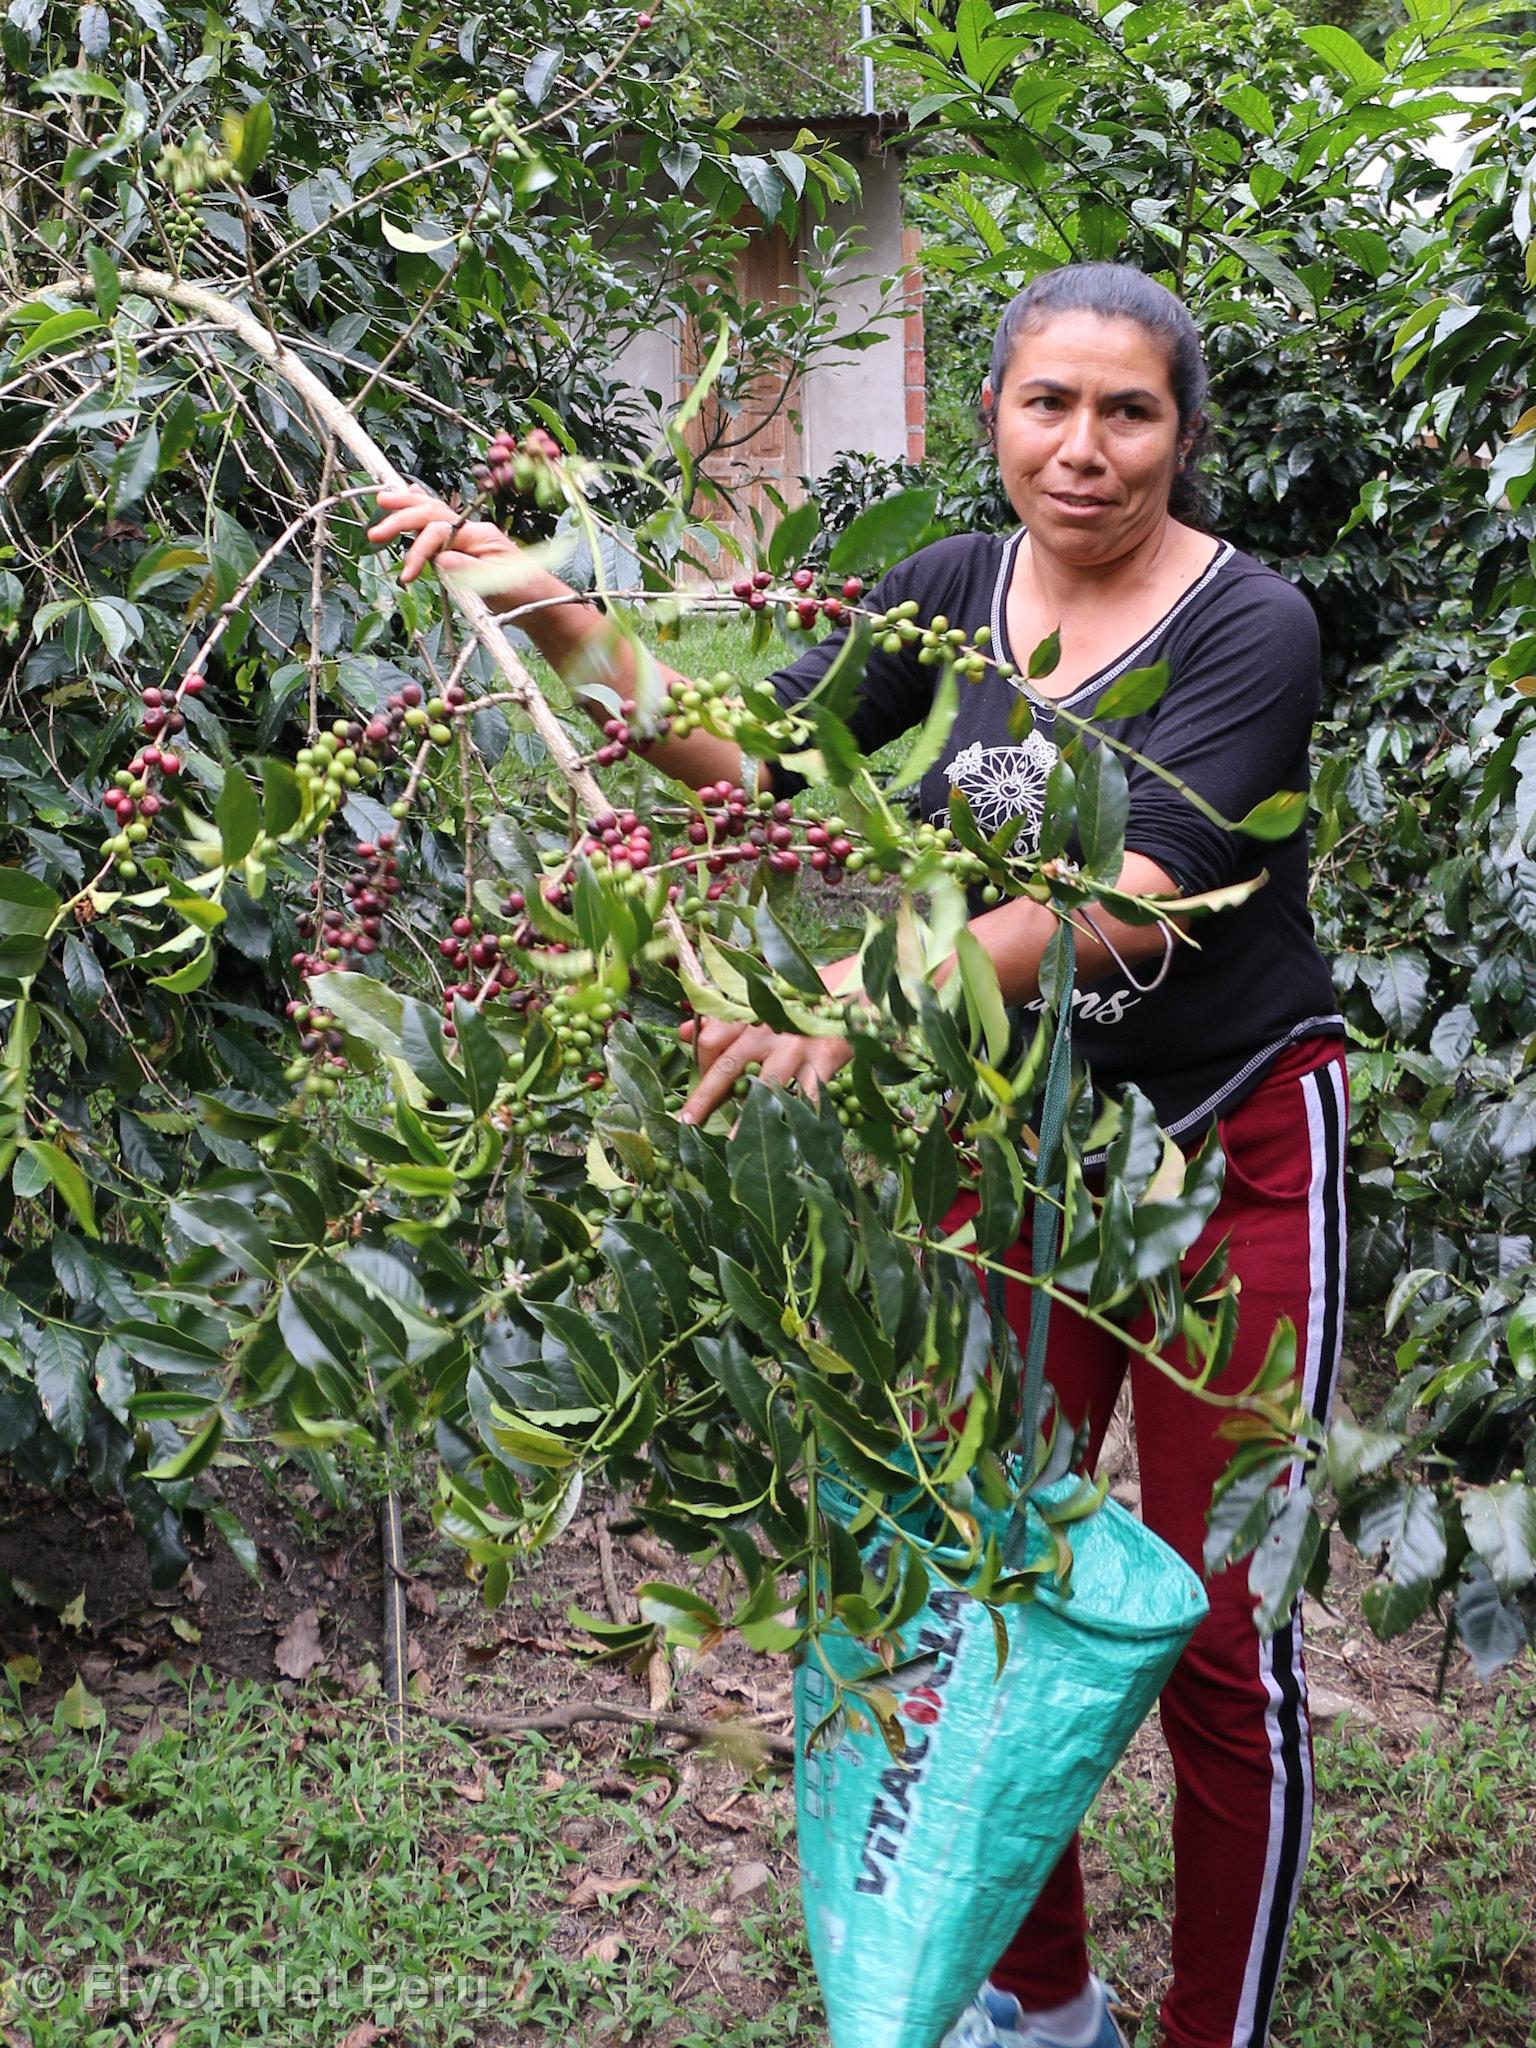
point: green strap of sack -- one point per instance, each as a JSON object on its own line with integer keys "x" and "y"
{"x": 1050, "y": 1176}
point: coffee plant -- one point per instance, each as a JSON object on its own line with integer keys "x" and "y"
{"x": 1438, "y": 802}
{"x": 342, "y": 1036}
{"x": 1364, "y": 310}
{"x": 345, "y": 972}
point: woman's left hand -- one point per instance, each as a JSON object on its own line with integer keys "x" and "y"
{"x": 726, "y": 1050}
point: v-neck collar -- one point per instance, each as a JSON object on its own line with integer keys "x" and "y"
{"x": 1121, "y": 662}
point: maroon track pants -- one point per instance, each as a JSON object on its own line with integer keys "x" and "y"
{"x": 1234, "y": 1712}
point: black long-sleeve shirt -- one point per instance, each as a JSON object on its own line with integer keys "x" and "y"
{"x": 1233, "y": 724}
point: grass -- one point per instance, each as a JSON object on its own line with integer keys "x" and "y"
{"x": 261, "y": 1837}
{"x": 263, "y": 1841}
{"x": 1417, "y": 1922}
{"x": 702, "y": 646}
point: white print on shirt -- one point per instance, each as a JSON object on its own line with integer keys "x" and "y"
{"x": 1095, "y": 1007}
{"x": 1004, "y": 783}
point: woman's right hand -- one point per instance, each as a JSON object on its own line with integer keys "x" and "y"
{"x": 502, "y": 574}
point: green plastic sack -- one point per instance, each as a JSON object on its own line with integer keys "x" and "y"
{"x": 916, "y": 1874}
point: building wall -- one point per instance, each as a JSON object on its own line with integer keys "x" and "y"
{"x": 653, "y": 362}
{"x": 914, "y": 359}
{"x": 866, "y": 402}
{"x": 862, "y": 403}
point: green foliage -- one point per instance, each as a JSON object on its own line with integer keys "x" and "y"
{"x": 789, "y": 62}
{"x": 1410, "y": 1926}
{"x": 1366, "y": 314}
{"x": 1429, "y": 834}
{"x": 468, "y": 1202}
{"x": 970, "y": 502}
{"x": 273, "y": 1170}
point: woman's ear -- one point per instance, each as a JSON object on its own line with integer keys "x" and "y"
{"x": 988, "y": 410}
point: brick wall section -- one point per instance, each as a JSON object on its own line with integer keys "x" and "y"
{"x": 914, "y": 376}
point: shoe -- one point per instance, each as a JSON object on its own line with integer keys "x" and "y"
{"x": 995, "y": 2019}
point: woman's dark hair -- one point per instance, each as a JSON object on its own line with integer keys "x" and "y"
{"x": 1116, "y": 291}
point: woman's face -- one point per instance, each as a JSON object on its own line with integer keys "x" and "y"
{"x": 1087, "y": 436}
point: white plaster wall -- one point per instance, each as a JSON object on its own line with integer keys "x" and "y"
{"x": 857, "y": 402}
{"x": 650, "y": 362}
{"x": 849, "y": 401}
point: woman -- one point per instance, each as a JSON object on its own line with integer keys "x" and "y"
{"x": 1093, "y": 404}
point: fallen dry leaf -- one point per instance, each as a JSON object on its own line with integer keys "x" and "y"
{"x": 297, "y": 1650}
{"x": 594, "y": 1887}
{"x": 363, "y": 2035}
{"x": 727, "y": 1686}
{"x": 553, "y": 1646}
{"x": 650, "y": 1552}
{"x": 143, "y": 1683}
{"x": 747, "y": 1879}
{"x": 463, "y": 1855}
{"x": 742, "y": 1819}
{"x": 658, "y": 1673}
{"x": 151, "y": 1731}
{"x": 421, "y": 1596}
{"x": 415, "y": 1655}
{"x": 604, "y": 1950}
{"x": 613, "y": 1785}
